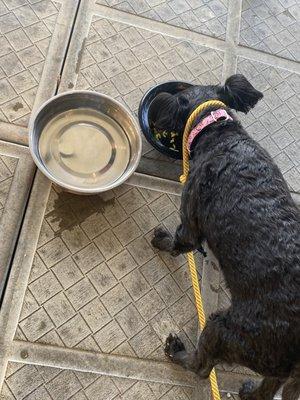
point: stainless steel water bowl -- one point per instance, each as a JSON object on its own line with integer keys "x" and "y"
{"x": 85, "y": 142}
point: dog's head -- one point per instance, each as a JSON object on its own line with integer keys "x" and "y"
{"x": 170, "y": 112}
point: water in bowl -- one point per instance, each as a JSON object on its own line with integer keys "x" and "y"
{"x": 84, "y": 148}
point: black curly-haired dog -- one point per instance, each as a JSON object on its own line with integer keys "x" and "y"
{"x": 237, "y": 200}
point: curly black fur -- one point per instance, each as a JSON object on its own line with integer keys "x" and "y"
{"x": 237, "y": 200}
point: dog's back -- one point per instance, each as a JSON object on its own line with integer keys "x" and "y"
{"x": 252, "y": 225}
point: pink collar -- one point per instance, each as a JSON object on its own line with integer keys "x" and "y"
{"x": 214, "y": 116}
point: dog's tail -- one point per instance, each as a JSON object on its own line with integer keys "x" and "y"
{"x": 291, "y": 389}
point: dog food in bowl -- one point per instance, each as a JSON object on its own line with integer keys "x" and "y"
{"x": 170, "y": 140}
{"x": 167, "y": 143}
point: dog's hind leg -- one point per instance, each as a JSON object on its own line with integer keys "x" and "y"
{"x": 206, "y": 356}
{"x": 175, "y": 350}
{"x": 266, "y": 390}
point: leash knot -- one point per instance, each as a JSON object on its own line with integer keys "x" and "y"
{"x": 182, "y": 179}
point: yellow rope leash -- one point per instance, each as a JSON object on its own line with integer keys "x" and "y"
{"x": 190, "y": 256}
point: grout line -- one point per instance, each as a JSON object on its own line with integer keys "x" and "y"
{"x": 15, "y": 134}
{"x": 171, "y": 172}
{"x": 229, "y": 63}
{"x": 100, "y": 363}
{"x": 56, "y": 51}
{"x": 155, "y": 183}
{"x": 266, "y": 58}
{"x": 117, "y": 366}
{"x": 14, "y": 149}
{"x": 67, "y": 46}
{"x": 73, "y": 58}
{"x": 21, "y": 267}
{"x": 159, "y": 27}
{"x": 232, "y": 38}
{"x": 234, "y": 22}
{"x": 23, "y": 178}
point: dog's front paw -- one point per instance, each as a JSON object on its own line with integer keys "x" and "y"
{"x": 247, "y": 389}
{"x": 173, "y": 345}
{"x": 162, "y": 240}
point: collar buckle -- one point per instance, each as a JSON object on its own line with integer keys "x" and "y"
{"x": 220, "y": 114}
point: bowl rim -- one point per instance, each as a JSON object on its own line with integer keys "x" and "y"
{"x": 177, "y": 155}
{"x": 71, "y": 188}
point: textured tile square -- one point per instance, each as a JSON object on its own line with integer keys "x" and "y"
{"x": 36, "y": 325}
{"x": 111, "y": 292}
{"x": 121, "y": 264}
{"x": 81, "y": 293}
{"x": 59, "y": 309}
{"x": 45, "y": 287}
{"x": 74, "y": 331}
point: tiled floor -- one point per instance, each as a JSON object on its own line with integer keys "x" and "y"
{"x": 89, "y": 302}
{"x": 26, "y": 33}
{"x": 272, "y": 26}
{"x": 26, "y": 29}
{"x": 97, "y": 284}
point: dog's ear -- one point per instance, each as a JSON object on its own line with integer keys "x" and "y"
{"x": 169, "y": 112}
{"x": 239, "y": 94}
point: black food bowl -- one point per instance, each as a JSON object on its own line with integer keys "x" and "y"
{"x": 171, "y": 87}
